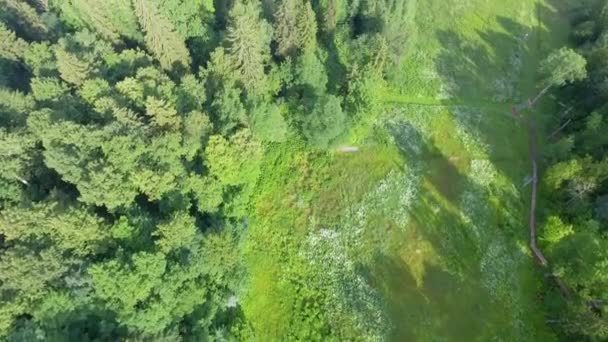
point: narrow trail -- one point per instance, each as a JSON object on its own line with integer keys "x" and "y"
{"x": 534, "y": 159}
{"x": 533, "y": 147}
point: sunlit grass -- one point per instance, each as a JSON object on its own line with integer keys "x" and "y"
{"x": 432, "y": 209}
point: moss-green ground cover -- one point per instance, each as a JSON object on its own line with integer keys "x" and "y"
{"x": 422, "y": 234}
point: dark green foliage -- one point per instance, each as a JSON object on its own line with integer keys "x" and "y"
{"x": 23, "y": 18}
{"x": 296, "y": 27}
{"x": 575, "y": 183}
{"x": 249, "y": 38}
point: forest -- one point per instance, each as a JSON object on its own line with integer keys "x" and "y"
{"x": 303, "y": 170}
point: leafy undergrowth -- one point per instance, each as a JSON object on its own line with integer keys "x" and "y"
{"x": 421, "y": 235}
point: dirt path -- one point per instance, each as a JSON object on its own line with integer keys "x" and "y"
{"x": 533, "y": 147}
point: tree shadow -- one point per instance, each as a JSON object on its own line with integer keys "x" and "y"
{"x": 441, "y": 305}
{"x": 490, "y": 74}
{"x": 455, "y": 289}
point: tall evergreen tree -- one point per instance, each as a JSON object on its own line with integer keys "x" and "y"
{"x": 296, "y": 27}
{"x": 113, "y": 19}
{"x": 161, "y": 38}
{"x": 249, "y": 38}
{"x": 23, "y": 18}
{"x": 11, "y": 47}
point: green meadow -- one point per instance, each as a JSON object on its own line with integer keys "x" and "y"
{"x": 422, "y": 232}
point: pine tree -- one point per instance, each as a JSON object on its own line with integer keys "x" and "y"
{"x": 249, "y": 38}
{"x": 111, "y": 18}
{"x": 296, "y": 27}
{"x": 162, "y": 113}
{"x": 333, "y": 13}
{"x": 80, "y": 56}
{"x": 72, "y": 69}
{"x": 16, "y": 163}
{"x": 14, "y": 108}
{"x": 11, "y": 47}
{"x": 161, "y": 38}
{"x": 23, "y": 18}
{"x": 40, "y": 60}
{"x": 286, "y": 31}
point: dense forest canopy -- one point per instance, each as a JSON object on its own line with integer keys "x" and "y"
{"x": 141, "y": 140}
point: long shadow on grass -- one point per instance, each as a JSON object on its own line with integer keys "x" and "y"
{"x": 500, "y": 67}
{"x": 457, "y": 288}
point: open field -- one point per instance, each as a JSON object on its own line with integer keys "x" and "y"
{"x": 425, "y": 226}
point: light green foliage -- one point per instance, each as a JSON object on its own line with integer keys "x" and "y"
{"x": 325, "y": 122}
{"x": 227, "y": 109}
{"x": 296, "y": 170}
{"x": 40, "y": 59}
{"x": 126, "y": 63}
{"x": 577, "y": 179}
{"x": 555, "y": 230}
{"x": 47, "y": 242}
{"x": 14, "y": 107}
{"x": 388, "y": 18}
{"x": 156, "y": 293}
{"x": 190, "y": 18}
{"x": 221, "y": 250}
{"x": 178, "y": 232}
{"x": 161, "y": 39}
{"x": 310, "y": 72}
{"x": 79, "y": 57}
{"x": 268, "y": 123}
{"x": 561, "y": 172}
{"x": 94, "y": 89}
{"x": 47, "y": 89}
{"x": 564, "y": 66}
{"x": 190, "y": 94}
{"x": 26, "y": 276}
{"x": 162, "y": 113}
{"x": 207, "y": 191}
{"x": 79, "y": 163}
{"x": 131, "y": 89}
{"x": 197, "y": 129}
{"x": 70, "y": 230}
{"x": 234, "y": 161}
{"x": 161, "y": 167}
{"x": 11, "y": 47}
{"x": 333, "y": 13}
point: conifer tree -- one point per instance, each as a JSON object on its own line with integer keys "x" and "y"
{"x": 249, "y": 38}
{"x": 111, "y": 18}
{"x": 296, "y": 26}
{"x": 23, "y": 18}
{"x": 161, "y": 38}
{"x": 11, "y": 47}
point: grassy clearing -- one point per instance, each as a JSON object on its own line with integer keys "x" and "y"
{"x": 421, "y": 235}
